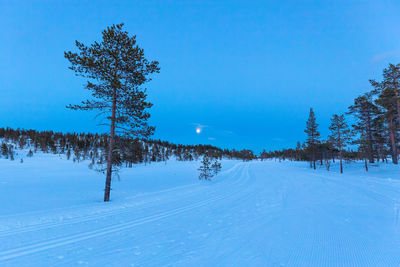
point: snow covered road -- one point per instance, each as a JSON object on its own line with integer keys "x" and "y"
{"x": 251, "y": 214}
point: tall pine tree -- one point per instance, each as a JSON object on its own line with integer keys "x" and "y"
{"x": 387, "y": 101}
{"x": 340, "y": 135}
{"x": 364, "y": 112}
{"x": 313, "y": 135}
{"x": 116, "y": 68}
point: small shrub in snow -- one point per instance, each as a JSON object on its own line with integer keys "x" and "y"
{"x": 30, "y": 153}
{"x": 216, "y": 167}
{"x": 328, "y": 165}
{"x": 4, "y": 150}
{"x": 208, "y": 170}
{"x": 205, "y": 169}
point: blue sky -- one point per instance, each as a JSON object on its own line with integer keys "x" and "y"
{"x": 247, "y": 72}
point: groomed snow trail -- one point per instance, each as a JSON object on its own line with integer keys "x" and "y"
{"x": 251, "y": 214}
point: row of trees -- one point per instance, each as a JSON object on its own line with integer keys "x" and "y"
{"x": 340, "y": 136}
{"x": 94, "y": 147}
{"x": 374, "y": 134}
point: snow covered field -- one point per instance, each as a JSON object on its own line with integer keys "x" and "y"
{"x": 251, "y": 214}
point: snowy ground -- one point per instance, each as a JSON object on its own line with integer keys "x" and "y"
{"x": 251, "y": 214}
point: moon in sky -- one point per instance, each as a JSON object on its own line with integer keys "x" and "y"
{"x": 198, "y": 130}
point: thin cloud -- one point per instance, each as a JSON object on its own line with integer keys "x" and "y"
{"x": 199, "y": 125}
{"x": 227, "y": 132}
{"x": 386, "y": 55}
{"x": 212, "y": 130}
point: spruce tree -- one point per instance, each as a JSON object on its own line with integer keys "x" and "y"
{"x": 313, "y": 135}
{"x": 216, "y": 167}
{"x": 205, "y": 169}
{"x": 340, "y": 135}
{"x": 116, "y": 69}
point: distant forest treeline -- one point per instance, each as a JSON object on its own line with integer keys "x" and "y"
{"x": 87, "y": 146}
{"x": 94, "y": 147}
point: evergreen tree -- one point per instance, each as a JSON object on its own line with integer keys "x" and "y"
{"x": 380, "y": 136}
{"x": 77, "y": 155}
{"x": 205, "y": 169}
{"x": 340, "y": 135}
{"x": 22, "y": 142}
{"x": 263, "y": 155}
{"x": 116, "y": 69}
{"x": 387, "y": 101}
{"x": 216, "y": 167}
{"x": 30, "y": 153}
{"x": 312, "y": 135}
{"x": 364, "y": 112}
{"x": 11, "y": 152}
{"x": 391, "y": 82}
{"x": 4, "y": 150}
{"x": 68, "y": 153}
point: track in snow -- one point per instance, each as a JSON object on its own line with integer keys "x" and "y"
{"x": 57, "y": 242}
{"x": 254, "y": 214}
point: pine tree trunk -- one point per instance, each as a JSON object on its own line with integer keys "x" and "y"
{"x": 313, "y": 152}
{"x": 369, "y": 134}
{"x": 392, "y": 135}
{"x": 110, "y": 149}
{"x": 322, "y": 156}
